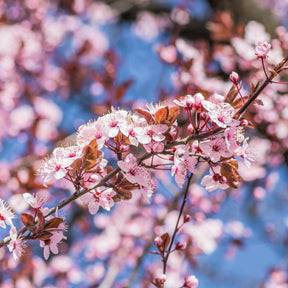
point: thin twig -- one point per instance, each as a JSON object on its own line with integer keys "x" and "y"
{"x": 168, "y": 252}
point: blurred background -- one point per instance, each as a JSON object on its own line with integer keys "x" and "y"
{"x": 63, "y": 63}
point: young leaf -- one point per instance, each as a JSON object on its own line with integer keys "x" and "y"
{"x": 53, "y": 223}
{"x": 122, "y": 89}
{"x": 90, "y": 155}
{"x": 173, "y": 114}
{"x": 166, "y": 240}
{"x": 41, "y": 221}
{"x": 29, "y": 222}
{"x": 43, "y": 235}
{"x": 230, "y": 171}
{"x": 145, "y": 114}
{"x": 161, "y": 115}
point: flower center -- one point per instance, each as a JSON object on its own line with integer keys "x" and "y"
{"x": 2, "y": 218}
{"x": 216, "y": 148}
{"x": 113, "y": 124}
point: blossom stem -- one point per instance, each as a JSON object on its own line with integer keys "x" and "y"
{"x": 268, "y": 81}
{"x": 264, "y": 69}
{"x": 176, "y": 229}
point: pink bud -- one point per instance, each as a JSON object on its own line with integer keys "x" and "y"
{"x": 161, "y": 280}
{"x": 203, "y": 115}
{"x": 180, "y": 245}
{"x": 216, "y": 177}
{"x": 262, "y": 49}
{"x": 187, "y": 218}
{"x": 234, "y": 77}
{"x": 244, "y": 123}
{"x": 158, "y": 241}
{"x": 222, "y": 180}
{"x": 191, "y": 282}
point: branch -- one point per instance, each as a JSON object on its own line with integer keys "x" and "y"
{"x": 165, "y": 259}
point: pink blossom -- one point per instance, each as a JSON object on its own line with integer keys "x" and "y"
{"x": 233, "y": 136}
{"x": 205, "y": 235}
{"x": 222, "y": 114}
{"x": 51, "y": 244}
{"x": 6, "y": 215}
{"x": 247, "y": 153}
{"x": 191, "y": 282}
{"x": 57, "y": 166}
{"x": 215, "y": 149}
{"x": 37, "y": 201}
{"x": 150, "y": 132}
{"x": 234, "y": 77}
{"x": 182, "y": 163}
{"x": 114, "y": 121}
{"x": 214, "y": 180}
{"x": 99, "y": 197}
{"x": 134, "y": 173}
{"x": 93, "y": 130}
{"x": 262, "y": 49}
{"x": 190, "y": 102}
{"x": 16, "y": 245}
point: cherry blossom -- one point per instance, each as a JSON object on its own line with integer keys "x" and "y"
{"x": 151, "y": 132}
{"x": 191, "y": 282}
{"x": 99, "y": 197}
{"x": 16, "y": 245}
{"x": 134, "y": 173}
{"x": 214, "y": 180}
{"x": 51, "y": 244}
{"x": 92, "y": 130}
{"x": 6, "y": 215}
{"x": 222, "y": 114}
{"x": 183, "y": 163}
{"x": 37, "y": 201}
{"x": 215, "y": 149}
{"x": 234, "y": 78}
{"x": 262, "y": 49}
{"x": 58, "y": 165}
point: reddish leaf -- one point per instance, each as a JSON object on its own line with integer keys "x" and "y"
{"x": 41, "y": 221}
{"x": 166, "y": 240}
{"x": 90, "y": 155}
{"x": 145, "y": 114}
{"x": 173, "y": 114}
{"x": 53, "y": 223}
{"x": 43, "y": 235}
{"x": 122, "y": 89}
{"x": 161, "y": 115}
{"x": 232, "y": 94}
{"x": 238, "y": 103}
{"x": 29, "y": 222}
{"x": 230, "y": 171}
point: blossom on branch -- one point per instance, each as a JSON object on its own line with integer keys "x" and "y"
{"x": 16, "y": 245}
{"x": 6, "y": 215}
{"x": 262, "y": 49}
{"x": 222, "y": 114}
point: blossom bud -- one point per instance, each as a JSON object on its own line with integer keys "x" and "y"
{"x": 158, "y": 241}
{"x": 216, "y": 177}
{"x": 244, "y": 123}
{"x": 203, "y": 116}
{"x": 191, "y": 282}
{"x": 187, "y": 218}
{"x": 222, "y": 180}
{"x": 160, "y": 281}
{"x": 262, "y": 49}
{"x": 189, "y": 103}
{"x": 124, "y": 148}
{"x": 180, "y": 245}
{"x": 234, "y": 78}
